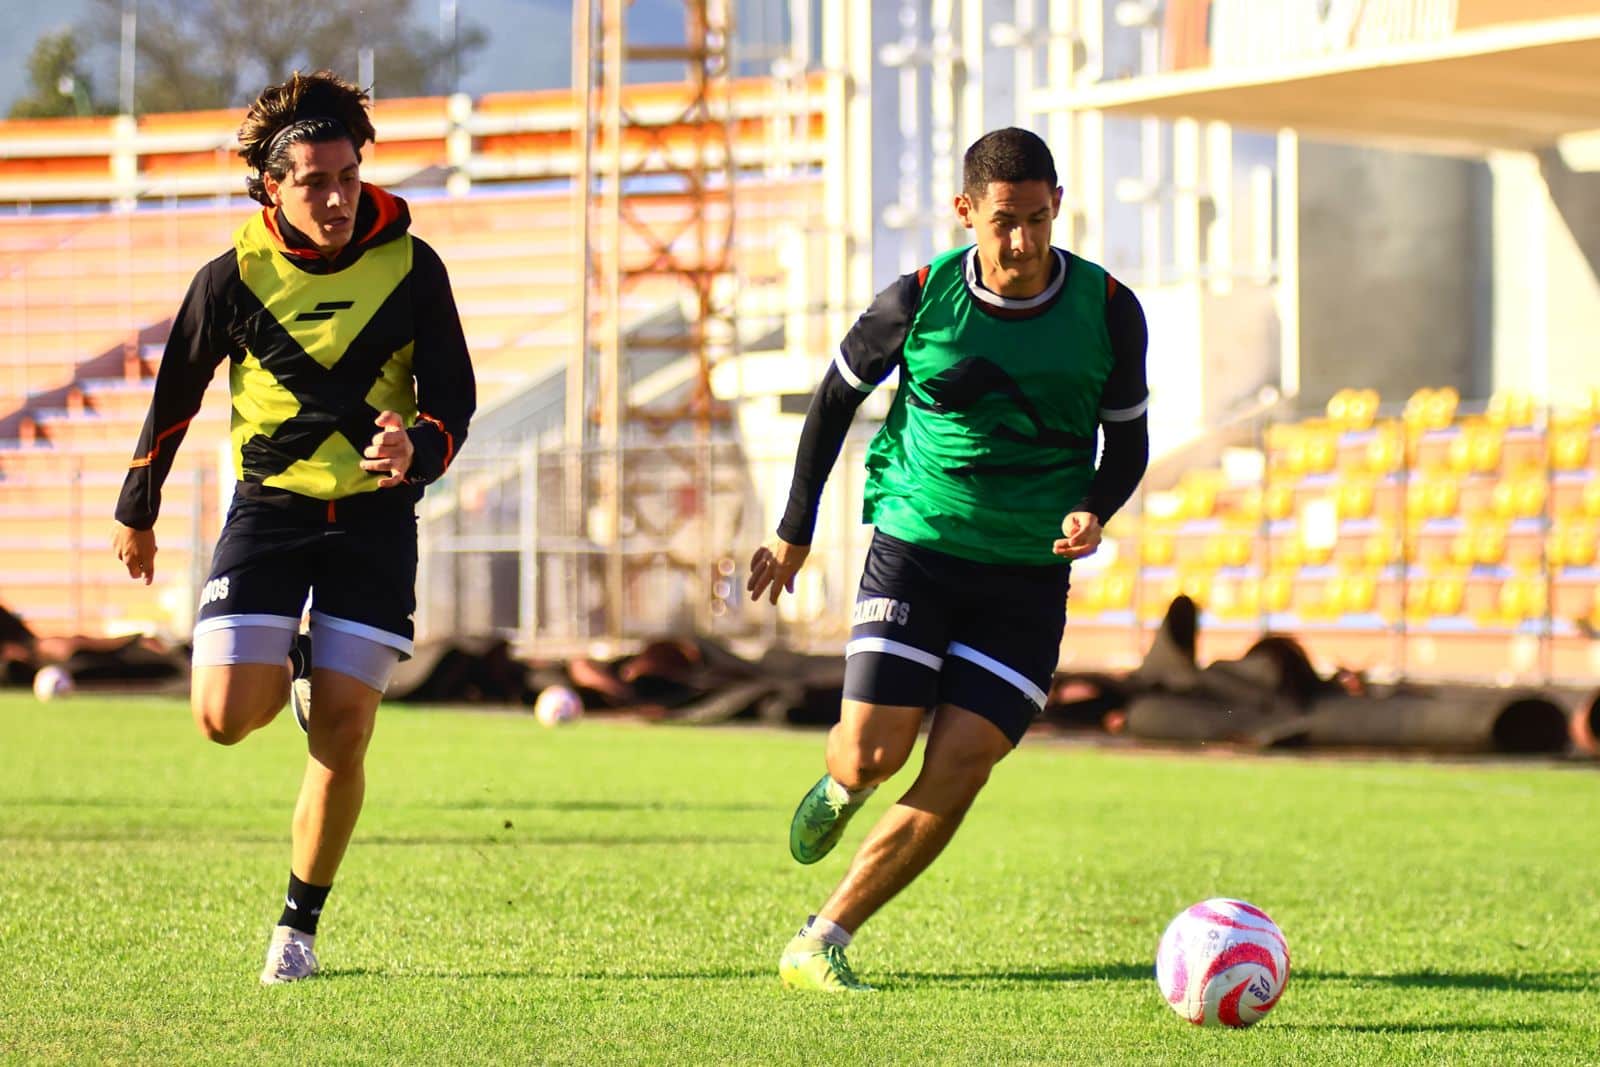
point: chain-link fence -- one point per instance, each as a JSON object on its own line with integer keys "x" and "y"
{"x": 537, "y": 545}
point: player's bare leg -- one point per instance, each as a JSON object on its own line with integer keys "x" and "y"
{"x": 868, "y": 744}
{"x": 331, "y": 795}
{"x": 230, "y": 702}
{"x": 962, "y": 749}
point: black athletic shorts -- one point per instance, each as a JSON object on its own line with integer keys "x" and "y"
{"x": 931, "y": 628}
{"x": 356, "y": 557}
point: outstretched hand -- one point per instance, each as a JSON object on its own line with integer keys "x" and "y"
{"x": 773, "y": 567}
{"x": 1080, "y": 535}
{"x": 390, "y": 451}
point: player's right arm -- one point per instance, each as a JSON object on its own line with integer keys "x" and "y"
{"x": 193, "y": 350}
{"x": 872, "y": 349}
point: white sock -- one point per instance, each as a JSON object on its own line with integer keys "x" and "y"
{"x": 853, "y": 796}
{"x": 827, "y": 931}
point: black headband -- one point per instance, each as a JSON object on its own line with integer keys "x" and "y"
{"x": 295, "y": 131}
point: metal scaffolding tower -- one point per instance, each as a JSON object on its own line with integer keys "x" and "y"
{"x": 656, "y": 211}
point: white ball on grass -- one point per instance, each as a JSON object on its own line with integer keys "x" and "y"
{"x": 557, "y": 705}
{"x": 51, "y": 682}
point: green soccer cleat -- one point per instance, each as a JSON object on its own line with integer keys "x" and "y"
{"x": 808, "y": 963}
{"x": 820, "y": 820}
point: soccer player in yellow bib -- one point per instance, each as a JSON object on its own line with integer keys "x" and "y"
{"x": 352, "y": 389}
{"x": 982, "y": 486}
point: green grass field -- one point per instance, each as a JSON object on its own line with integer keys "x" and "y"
{"x": 618, "y": 893}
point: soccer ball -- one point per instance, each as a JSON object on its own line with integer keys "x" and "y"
{"x": 51, "y": 682}
{"x": 1222, "y": 962}
{"x": 557, "y": 705}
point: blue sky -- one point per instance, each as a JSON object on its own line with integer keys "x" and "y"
{"x": 529, "y": 40}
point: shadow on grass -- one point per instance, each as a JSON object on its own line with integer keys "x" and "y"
{"x": 1546, "y": 982}
{"x": 1422, "y": 1028}
{"x": 726, "y": 974}
{"x": 1105, "y": 972}
{"x": 591, "y": 805}
{"x": 165, "y": 835}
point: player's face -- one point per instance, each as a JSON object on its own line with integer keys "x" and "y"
{"x": 1011, "y": 224}
{"x": 320, "y": 193}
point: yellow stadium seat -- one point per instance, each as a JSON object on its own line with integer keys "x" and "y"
{"x": 1229, "y": 550}
{"x": 1569, "y": 448}
{"x": 1087, "y": 597}
{"x": 1355, "y": 499}
{"x": 1522, "y": 599}
{"x": 1386, "y": 452}
{"x": 1572, "y": 544}
{"x": 1446, "y": 594}
{"x": 1277, "y": 592}
{"x": 1512, "y": 409}
{"x": 1157, "y": 548}
{"x": 1519, "y": 497}
{"x": 1322, "y": 452}
{"x": 1382, "y": 548}
{"x": 1431, "y": 409}
{"x": 1196, "y": 585}
{"x": 1433, "y": 498}
{"x": 1316, "y": 555}
{"x": 1116, "y": 590}
{"x": 1199, "y": 495}
{"x": 1353, "y": 409}
{"x": 1591, "y": 498}
{"x": 1476, "y": 450}
{"x": 1278, "y": 502}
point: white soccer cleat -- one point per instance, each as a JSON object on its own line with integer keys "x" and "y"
{"x": 300, "y": 702}
{"x": 289, "y": 956}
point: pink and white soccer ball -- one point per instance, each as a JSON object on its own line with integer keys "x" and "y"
{"x": 557, "y": 705}
{"x": 1222, "y": 962}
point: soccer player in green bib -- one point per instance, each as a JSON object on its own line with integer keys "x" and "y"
{"x": 1015, "y": 358}
{"x": 352, "y": 389}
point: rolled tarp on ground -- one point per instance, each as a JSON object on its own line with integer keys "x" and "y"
{"x": 1454, "y": 720}
{"x": 1168, "y": 717}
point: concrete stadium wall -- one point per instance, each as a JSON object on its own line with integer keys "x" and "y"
{"x": 1395, "y": 273}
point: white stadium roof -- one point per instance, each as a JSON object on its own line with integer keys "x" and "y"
{"x": 1526, "y": 86}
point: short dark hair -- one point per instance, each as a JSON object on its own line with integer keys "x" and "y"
{"x": 306, "y": 109}
{"x": 1008, "y": 155}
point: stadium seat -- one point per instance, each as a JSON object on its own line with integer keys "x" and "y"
{"x": 1569, "y": 447}
{"x": 1433, "y": 497}
{"x": 1431, "y": 409}
{"x": 1572, "y": 544}
{"x": 1519, "y": 497}
{"x": 1157, "y": 548}
{"x": 1277, "y": 502}
{"x": 1353, "y": 409}
{"x": 1521, "y": 600}
{"x": 1512, "y": 410}
{"x": 1477, "y": 449}
{"x": 1386, "y": 452}
{"x": 1355, "y": 499}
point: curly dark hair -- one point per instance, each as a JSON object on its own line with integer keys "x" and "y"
{"x": 1008, "y": 155}
{"x": 308, "y": 108}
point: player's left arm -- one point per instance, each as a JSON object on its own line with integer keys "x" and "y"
{"x": 1124, "y": 423}
{"x": 446, "y": 389}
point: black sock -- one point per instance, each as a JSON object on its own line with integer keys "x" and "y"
{"x": 303, "y": 905}
{"x": 300, "y": 656}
